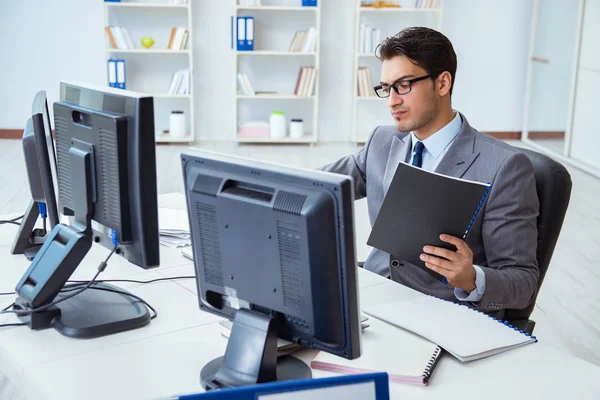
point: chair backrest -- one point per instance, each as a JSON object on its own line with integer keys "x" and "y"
{"x": 553, "y": 184}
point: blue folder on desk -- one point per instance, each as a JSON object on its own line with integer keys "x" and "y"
{"x": 348, "y": 387}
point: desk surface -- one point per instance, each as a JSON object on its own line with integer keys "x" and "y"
{"x": 165, "y": 357}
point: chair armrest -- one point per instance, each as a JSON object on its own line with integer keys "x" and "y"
{"x": 525, "y": 325}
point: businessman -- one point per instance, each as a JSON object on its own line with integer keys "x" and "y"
{"x": 496, "y": 268}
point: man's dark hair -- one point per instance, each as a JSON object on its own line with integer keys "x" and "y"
{"x": 424, "y": 47}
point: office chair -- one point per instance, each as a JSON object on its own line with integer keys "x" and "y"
{"x": 553, "y": 186}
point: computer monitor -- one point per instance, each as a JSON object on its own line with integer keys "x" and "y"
{"x": 274, "y": 251}
{"x": 107, "y": 175}
{"x": 40, "y": 161}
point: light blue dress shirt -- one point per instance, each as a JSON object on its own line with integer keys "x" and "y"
{"x": 436, "y": 146}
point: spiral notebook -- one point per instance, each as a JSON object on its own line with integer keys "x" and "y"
{"x": 406, "y": 357}
{"x": 418, "y": 207}
{"x": 465, "y": 333}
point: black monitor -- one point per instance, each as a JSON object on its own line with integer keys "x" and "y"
{"x": 106, "y": 173}
{"x": 40, "y": 161}
{"x": 274, "y": 251}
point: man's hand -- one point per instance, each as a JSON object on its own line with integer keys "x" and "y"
{"x": 458, "y": 266}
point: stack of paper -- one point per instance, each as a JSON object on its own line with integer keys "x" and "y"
{"x": 173, "y": 228}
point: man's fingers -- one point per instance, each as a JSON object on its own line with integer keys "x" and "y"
{"x": 441, "y": 271}
{"x": 437, "y": 262}
{"x": 459, "y": 243}
{"x": 440, "y": 252}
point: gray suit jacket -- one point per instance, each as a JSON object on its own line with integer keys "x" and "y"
{"x": 504, "y": 236}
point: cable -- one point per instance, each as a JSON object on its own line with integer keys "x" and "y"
{"x": 128, "y": 280}
{"x": 10, "y": 222}
{"x": 71, "y": 284}
{"x": 17, "y": 324}
{"x": 13, "y": 220}
{"x": 8, "y": 307}
{"x": 101, "y": 268}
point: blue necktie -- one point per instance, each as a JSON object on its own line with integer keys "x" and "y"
{"x": 418, "y": 157}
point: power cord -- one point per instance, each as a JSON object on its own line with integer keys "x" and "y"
{"x": 12, "y": 221}
{"x": 71, "y": 284}
{"x": 101, "y": 268}
{"x": 7, "y": 325}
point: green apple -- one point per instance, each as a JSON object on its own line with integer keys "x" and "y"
{"x": 147, "y": 41}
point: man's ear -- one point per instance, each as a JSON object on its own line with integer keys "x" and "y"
{"x": 443, "y": 83}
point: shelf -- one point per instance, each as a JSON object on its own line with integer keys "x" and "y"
{"x": 170, "y": 96}
{"x": 275, "y": 8}
{"x": 147, "y": 51}
{"x": 396, "y": 10}
{"x": 166, "y": 138}
{"x": 368, "y": 98}
{"x": 275, "y": 53}
{"x": 287, "y": 140}
{"x": 274, "y": 97}
{"x": 145, "y": 5}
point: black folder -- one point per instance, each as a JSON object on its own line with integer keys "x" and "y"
{"x": 418, "y": 207}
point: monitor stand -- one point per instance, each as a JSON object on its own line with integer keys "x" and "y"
{"x": 251, "y": 356}
{"x": 28, "y": 240}
{"x": 94, "y": 312}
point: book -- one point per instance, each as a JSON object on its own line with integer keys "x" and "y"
{"x": 411, "y": 358}
{"x": 465, "y": 333}
{"x": 419, "y": 206}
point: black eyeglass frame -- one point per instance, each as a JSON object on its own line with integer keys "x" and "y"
{"x": 393, "y": 85}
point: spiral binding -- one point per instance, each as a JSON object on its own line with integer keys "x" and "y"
{"x": 432, "y": 362}
{"x": 506, "y": 323}
{"x": 485, "y": 195}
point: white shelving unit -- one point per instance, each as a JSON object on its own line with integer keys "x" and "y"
{"x": 150, "y": 70}
{"x": 272, "y": 68}
{"x": 370, "y": 111}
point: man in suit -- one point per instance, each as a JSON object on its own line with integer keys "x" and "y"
{"x": 496, "y": 268}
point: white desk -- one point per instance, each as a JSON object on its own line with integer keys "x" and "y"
{"x": 165, "y": 357}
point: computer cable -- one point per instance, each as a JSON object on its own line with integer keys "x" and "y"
{"x": 101, "y": 268}
{"x": 71, "y": 284}
{"x": 13, "y": 221}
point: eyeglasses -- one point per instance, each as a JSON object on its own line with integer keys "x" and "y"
{"x": 401, "y": 86}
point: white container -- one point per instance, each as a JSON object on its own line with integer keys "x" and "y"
{"x": 277, "y": 125}
{"x": 177, "y": 128}
{"x": 296, "y": 129}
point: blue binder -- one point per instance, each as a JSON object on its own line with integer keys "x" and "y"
{"x": 241, "y": 33}
{"x": 112, "y": 73}
{"x": 364, "y": 387}
{"x": 245, "y": 33}
{"x": 121, "y": 81}
{"x": 249, "y": 33}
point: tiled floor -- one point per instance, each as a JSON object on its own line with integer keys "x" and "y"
{"x": 568, "y": 307}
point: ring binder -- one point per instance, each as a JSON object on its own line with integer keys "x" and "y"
{"x": 475, "y": 338}
{"x": 428, "y": 371}
{"x": 476, "y": 213}
{"x": 506, "y": 323}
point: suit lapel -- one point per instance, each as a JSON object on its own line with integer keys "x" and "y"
{"x": 399, "y": 151}
{"x": 461, "y": 154}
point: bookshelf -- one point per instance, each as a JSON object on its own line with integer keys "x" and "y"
{"x": 274, "y": 70}
{"x": 150, "y": 70}
{"x": 368, "y": 110}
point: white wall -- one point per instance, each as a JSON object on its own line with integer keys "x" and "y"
{"x": 490, "y": 37}
{"x": 43, "y": 42}
{"x": 555, "y": 40}
{"x": 585, "y": 140}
